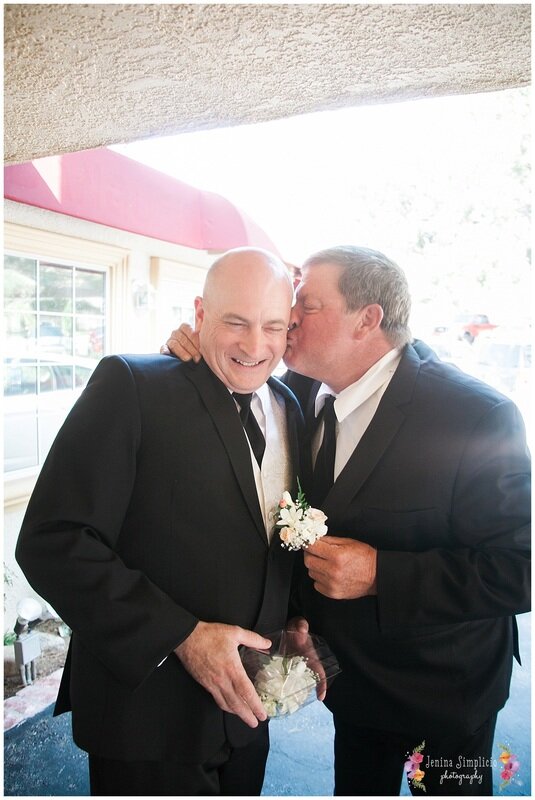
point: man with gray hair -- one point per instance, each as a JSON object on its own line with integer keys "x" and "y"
{"x": 424, "y": 474}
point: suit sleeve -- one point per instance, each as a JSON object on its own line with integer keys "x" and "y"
{"x": 486, "y": 572}
{"x": 66, "y": 546}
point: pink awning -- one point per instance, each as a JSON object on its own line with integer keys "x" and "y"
{"x": 106, "y": 187}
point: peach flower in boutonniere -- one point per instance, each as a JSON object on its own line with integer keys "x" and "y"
{"x": 299, "y": 524}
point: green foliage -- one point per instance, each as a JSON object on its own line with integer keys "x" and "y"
{"x": 301, "y": 499}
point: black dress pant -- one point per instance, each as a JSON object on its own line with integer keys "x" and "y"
{"x": 232, "y": 771}
{"x": 371, "y": 762}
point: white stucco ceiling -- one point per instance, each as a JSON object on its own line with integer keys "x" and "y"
{"x": 80, "y": 76}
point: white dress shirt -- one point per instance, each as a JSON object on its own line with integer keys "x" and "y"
{"x": 275, "y": 475}
{"x": 355, "y": 407}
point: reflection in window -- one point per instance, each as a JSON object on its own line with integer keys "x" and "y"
{"x": 55, "y": 288}
{"x": 55, "y": 333}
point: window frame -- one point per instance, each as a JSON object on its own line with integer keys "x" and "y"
{"x": 24, "y": 242}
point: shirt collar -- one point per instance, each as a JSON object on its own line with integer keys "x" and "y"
{"x": 357, "y": 393}
{"x": 260, "y": 397}
{"x": 263, "y": 396}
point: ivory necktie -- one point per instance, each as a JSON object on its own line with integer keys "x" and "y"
{"x": 323, "y": 477}
{"x": 252, "y": 428}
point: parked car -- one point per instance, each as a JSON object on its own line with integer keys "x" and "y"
{"x": 469, "y": 326}
{"x": 465, "y": 327}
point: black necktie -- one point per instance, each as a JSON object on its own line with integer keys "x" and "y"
{"x": 252, "y": 428}
{"x": 324, "y": 466}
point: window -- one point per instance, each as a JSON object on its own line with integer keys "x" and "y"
{"x": 55, "y": 333}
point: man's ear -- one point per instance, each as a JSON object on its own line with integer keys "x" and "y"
{"x": 199, "y": 313}
{"x": 369, "y": 320}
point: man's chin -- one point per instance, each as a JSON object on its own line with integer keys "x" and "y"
{"x": 291, "y": 358}
{"x": 288, "y": 358}
{"x": 293, "y": 365}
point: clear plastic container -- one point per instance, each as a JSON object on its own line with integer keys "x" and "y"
{"x": 297, "y": 669}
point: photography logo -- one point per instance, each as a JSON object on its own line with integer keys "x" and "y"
{"x": 509, "y": 765}
{"x": 413, "y": 767}
{"x": 460, "y": 770}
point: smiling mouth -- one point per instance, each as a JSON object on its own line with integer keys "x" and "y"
{"x": 247, "y": 363}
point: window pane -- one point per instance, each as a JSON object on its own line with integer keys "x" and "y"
{"x": 81, "y": 376}
{"x": 55, "y": 335}
{"x": 20, "y": 437}
{"x": 20, "y": 283}
{"x": 90, "y": 292}
{"x": 20, "y": 416}
{"x": 53, "y": 377}
{"x": 55, "y": 291}
{"x": 19, "y": 379}
{"x": 19, "y": 332}
{"x": 90, "y": 336}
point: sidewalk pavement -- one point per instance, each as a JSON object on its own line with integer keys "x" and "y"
{"x": 40, "y": 758}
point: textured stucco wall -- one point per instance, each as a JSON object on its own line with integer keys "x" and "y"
{"x": 81, "y": 76}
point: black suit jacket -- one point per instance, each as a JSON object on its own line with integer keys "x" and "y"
{"x": 145, "y": 519}
{"x": 440, "y": 485}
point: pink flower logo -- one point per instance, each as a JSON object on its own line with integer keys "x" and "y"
{"x": 415, "y": 775}
{"x": 510, "y": 767}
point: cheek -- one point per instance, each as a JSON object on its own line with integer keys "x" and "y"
{"x": 215, "y": 343}
{"x": 278, "y": 347}
{"x": 225, "y": 340}
{"x": 312, "y": 329}
{"x": 322, "y": 338}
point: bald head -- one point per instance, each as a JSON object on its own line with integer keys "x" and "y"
{"x": 243, "y": 264}
{"x": 243, "y": 316}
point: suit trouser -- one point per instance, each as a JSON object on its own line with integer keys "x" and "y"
{"x": 232, "y": 771}
{"x": 371, "y": 762}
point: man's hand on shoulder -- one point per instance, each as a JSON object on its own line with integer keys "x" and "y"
{"x": 342, "y": 569}
{"x": 183, "y": 343}
{"x": 210, "y": 655}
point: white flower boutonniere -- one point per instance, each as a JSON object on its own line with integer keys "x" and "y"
{"x": 299, "y": 524}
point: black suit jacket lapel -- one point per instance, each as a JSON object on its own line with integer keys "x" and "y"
{"x": 222, "y": 409}
{"x": 377, "y": 437}
{"x": 295, "y": 428}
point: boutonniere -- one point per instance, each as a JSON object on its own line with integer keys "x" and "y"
{"x": 299, "y": 524}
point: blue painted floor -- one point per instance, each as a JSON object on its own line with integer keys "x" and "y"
{"x": 40, "y": 759}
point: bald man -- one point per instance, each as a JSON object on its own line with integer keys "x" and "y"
{"x": 149, "y": 533}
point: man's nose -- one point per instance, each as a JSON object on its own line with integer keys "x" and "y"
{"x": 253, "y": 342}
{"x": 294, "y": 319}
